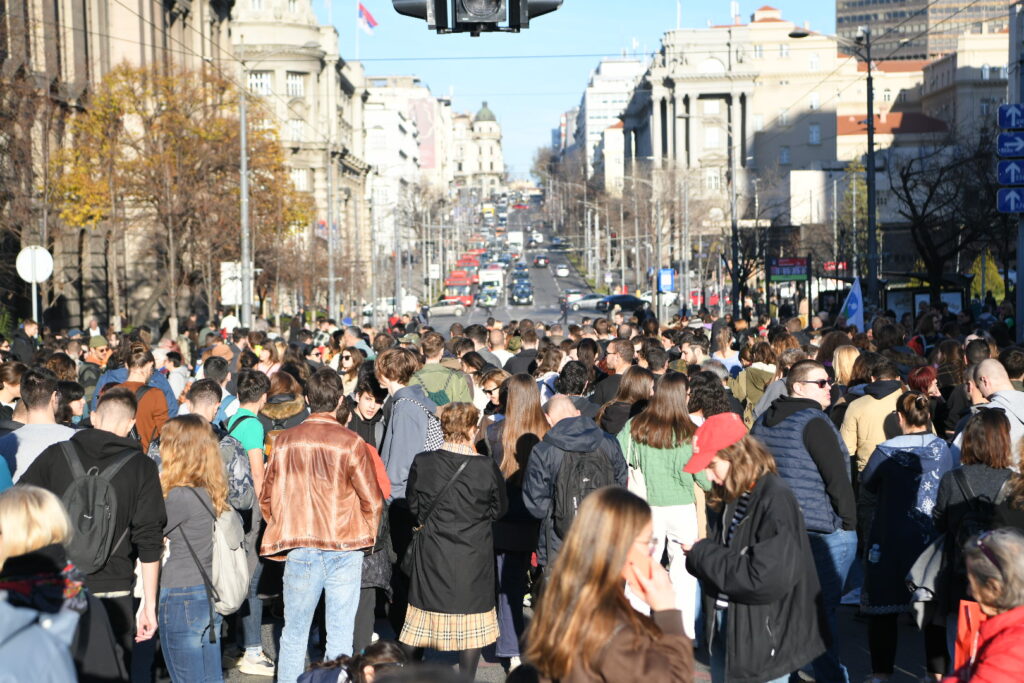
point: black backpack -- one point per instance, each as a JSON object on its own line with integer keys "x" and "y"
{"x": 91, "y": 502}
{"x": 579, "y": 475}
{"x": 974, "y": 521}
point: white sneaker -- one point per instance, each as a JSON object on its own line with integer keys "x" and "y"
{"x": 513, "y": 663}
{"x": 257, "y": 665}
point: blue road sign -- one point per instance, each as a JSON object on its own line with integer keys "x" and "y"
{"x": 1010, "y": 172}
{"x": 1011, "y": 116}
{"x": 667, "y": 280}
{"x": 1010, "y": 200}
{"x": 1011, "y": 145}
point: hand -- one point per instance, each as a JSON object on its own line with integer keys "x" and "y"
{"x": 146, "y": 622}
{"x": 686, "y": 547}
{"x": 654, "y": 587}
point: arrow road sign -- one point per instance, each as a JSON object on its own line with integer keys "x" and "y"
{"x": 1011, "y": 116}
{"x": 1010, "y": 172}
{"x": 1011, "y": 145}
{"x": 1010, "y": 200}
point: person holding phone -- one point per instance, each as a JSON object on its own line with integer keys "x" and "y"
{"x": 584, "y": 630}
{"x": 761, "y": 594}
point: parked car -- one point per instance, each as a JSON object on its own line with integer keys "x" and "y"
{"x": 586, "y": 301}
{"x": 561, "y": 270}
{"x": 521, "y": 294}
{"x": 627, "y": 302}
{"x": 448, "y": 307}
{"x": 541, "y": 261}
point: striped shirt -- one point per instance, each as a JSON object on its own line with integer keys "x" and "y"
{"x": 722, "y": 601}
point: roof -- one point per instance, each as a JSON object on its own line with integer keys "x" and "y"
{"x": 895, "y": 65}
{"x": 893, "y": 123}
{"x": 485, "y": 114}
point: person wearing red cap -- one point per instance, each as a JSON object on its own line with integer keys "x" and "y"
{"x": 760, "y": 587}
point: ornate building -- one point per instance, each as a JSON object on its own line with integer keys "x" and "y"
{"x": 478, "y": 159}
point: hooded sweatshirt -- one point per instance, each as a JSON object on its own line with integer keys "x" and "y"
{"x": 140, "y": 501}
{"x": 405, "y": 434}
{"x": 1012, "y": 404}
{"x": 579, "y": 434}
{"x": 864, "y": 425}
{"x": 750, "y": 385}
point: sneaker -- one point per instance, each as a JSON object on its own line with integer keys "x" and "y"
{"x": 513, "y": 663}
{"x": 257, "y": 665}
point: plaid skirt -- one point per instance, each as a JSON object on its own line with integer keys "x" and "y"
{"x": 449, "y": 632}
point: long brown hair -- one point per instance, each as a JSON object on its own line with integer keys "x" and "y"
{"x": 636, "y": 386}
{"x": 584, "y": 602}
{"x": 524, "y": 424}
{"x": 191, "y": 457}
{"x": 986, "y": 440}
{"x": 748, "y": 460}
{"x": 665, "y": 422}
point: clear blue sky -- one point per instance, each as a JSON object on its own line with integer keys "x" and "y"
{"x": 528, "y": 95}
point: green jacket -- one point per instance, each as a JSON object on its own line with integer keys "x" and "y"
{"x": 667, "y": 484}
{"x": 443, "y": 385}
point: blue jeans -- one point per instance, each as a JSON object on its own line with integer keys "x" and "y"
{"x": 718, "y": 651}
{"x": 833, "y": 555}
{"x": 307, "y": 573}
{"x": 183, "y": 618}
{"x": 512, "y": 569}
{"x": 251, "y": 612}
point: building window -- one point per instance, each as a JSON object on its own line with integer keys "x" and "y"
{"x": 295, "y": 84}
{"x": 986, "y": 72}
{"x": 815, "y": 63}
{"x": 758, "y": 51}
{"x": 712, "y": 138}
{"x": 815, "y": 102}
{"x": 300, "y": 179}
{"x": 712, "y": 179}
{"x": 256, "y": 4}
{"x": 758, "y": 122}
{"x": 259, "y": 82}
{"x": 784, "y": 156}
{"x": 783, "y": 117}
{"x": 887, "y": 95}
{"x": 293, "y": 6}
{"x": 711, "y": 106}
{"x": 783, "y": 49}
{"x": 986, "y": 108}
{"x": 295, "y": 129}
{"x": 814, "y": 134}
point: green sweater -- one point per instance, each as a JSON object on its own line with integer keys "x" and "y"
{"x": 667, "y": 484}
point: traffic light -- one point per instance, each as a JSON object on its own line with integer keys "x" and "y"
{"x": 476, "y": 16}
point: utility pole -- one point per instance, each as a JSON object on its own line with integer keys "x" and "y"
{"x": 1016, "y": 92}
{"x": 835, "y": 229}
{"x": 871, "y": 298}
{"x": 856, "y": 247}
{"x": 243, "y": 167}
{"x": 332, "y": 290}
{"x": 687, "y": 249}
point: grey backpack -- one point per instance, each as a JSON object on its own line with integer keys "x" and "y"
{"x": 91, "y": 502}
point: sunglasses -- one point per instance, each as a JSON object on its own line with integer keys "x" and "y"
{"x": 492, "y": 391}
{"x": 822, "y": 383}
{"x": 346, "y": 357}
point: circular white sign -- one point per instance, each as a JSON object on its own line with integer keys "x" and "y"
{"x": 34, "y": 264}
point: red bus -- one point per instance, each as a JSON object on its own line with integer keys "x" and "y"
{"x": 459, "y": 286}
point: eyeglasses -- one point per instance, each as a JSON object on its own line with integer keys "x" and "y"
{"x": 987, "y": 552}
{"x": 493, "y": 390}
{"x": 822, "y": 383}
{"x": 651, "y": 543}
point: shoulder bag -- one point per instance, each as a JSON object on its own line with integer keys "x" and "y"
{"x": 409, "y": 559}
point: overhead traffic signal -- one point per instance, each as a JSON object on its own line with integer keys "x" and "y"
{"x": 476, "y": 16}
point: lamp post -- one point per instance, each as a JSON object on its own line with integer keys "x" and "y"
{"x": 863, "y": 40}
{"x": 245, "y": 248}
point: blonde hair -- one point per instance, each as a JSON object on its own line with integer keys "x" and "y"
{"x": 842, "y": 363}
{"x": 30, "y": 518}
{"x": 191, "y": 457}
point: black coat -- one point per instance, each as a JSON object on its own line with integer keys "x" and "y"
{"x": 775, "y": 623}
{"x": 23, "y": 348}
{"x": 517, "y": 529}
{"x": 524, "y": 362}
{"x": 454, "y": 571}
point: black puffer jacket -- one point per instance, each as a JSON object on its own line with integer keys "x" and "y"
{"x": 775, "y": 625}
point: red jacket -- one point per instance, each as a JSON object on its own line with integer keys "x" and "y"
{"x": 1000, "y": 650}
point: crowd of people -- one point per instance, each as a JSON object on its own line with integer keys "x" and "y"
{"x": 610, "y": 500}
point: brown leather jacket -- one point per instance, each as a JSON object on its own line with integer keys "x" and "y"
{"x": 320, "y": 490}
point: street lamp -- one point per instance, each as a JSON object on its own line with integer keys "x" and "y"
{"x": 861, "y": 47}
{"x": 243, "y": 165}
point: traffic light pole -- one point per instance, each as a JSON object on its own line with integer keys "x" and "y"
{"x": 871, "y": 297}
{"x": 1016, "y": 87}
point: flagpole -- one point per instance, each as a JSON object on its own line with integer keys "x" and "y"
{"x": 358, "y": 30}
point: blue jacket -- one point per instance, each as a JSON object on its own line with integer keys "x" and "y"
{"x": 120, "y": 375}
{"x": 405, "y": 434}
{"x": 782, "y": 430}
{"x": 35, "y": 646}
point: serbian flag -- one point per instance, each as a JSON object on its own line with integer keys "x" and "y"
{"x": 366, "y": 20}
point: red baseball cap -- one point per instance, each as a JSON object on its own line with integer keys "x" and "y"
{"x": 718, "y": 432}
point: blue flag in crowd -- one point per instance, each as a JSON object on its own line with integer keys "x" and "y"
{"x": 853, "y": 308}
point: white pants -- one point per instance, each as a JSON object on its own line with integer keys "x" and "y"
{"x": 675, "y": 524}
